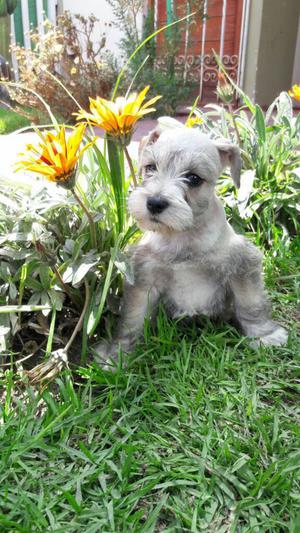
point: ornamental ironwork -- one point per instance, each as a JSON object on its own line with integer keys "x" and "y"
{"x": 194, "y": 67}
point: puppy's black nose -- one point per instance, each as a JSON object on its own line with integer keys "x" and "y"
{"x": 156, "y": 204}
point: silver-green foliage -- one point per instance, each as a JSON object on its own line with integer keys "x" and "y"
{"x": 46, "y": 250}
{"x": 268, "y": 203}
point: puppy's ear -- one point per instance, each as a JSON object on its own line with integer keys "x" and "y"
{"x": 164, "y": 124}
{"x": 230, "y": 157}
{"x": 151, "y": 138}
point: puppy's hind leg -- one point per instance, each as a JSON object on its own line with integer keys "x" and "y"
{"x": 137, "y": 305}
{"x": 252, "y": 311}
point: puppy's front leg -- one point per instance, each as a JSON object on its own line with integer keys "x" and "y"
{"x": 252, "y": 310}
{"x": 137, "y": 304}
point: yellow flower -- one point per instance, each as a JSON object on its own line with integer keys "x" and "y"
{"x": 295, "y": 92}
{"x": 118, "y": 118}
{"x": 55, "y": 156}
{"x": 193, "y": 121}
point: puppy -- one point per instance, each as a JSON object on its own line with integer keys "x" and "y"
{"x": 190, "y": 258}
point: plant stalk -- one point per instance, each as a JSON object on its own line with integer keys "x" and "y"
{"x": 90, "y": 218}
{"x": 81, "y": 318}
{"x": 129, "y": 161}
{"x": 64, "y": 285}
{"x": 230, "y": 109}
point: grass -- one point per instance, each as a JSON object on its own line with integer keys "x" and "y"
{"x": 11, "y": 121}
{"x": 199, "y": 433}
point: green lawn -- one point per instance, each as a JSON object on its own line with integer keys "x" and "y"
{"x": 11, "y": 121}
{"x": 199, "y": 433}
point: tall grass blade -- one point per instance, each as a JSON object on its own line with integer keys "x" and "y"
{"x": 145, "y": 41}
{"x": 51, "y": 332}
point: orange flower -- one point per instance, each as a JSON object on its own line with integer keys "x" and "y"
{"x": 55, "y": 156}
{"x": 118, "y": 118}
{"x": 222, "y": 79}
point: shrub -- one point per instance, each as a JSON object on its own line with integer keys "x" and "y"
{"x": 269, "y": 198}
{"x": 64, "y": 62}
{"x": 61, "y": 249}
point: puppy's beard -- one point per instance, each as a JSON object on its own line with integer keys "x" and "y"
{"x": 178, "y": 216}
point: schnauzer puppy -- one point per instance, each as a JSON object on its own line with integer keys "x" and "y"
{"x": 190, "y": 258}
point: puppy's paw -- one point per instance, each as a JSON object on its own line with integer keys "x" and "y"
{"x": 106, "y": 355}
{"x": 278, "y": 337}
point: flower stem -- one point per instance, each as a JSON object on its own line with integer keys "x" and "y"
{"x": 64, "y": 285}
{"x": 82, "y": 315}
{"x": 90, "y": 218}
{"x": 129, "y": 161}
{"x": 230, "y": 109}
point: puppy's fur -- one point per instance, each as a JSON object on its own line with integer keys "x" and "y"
{"x": 190, "y": 258}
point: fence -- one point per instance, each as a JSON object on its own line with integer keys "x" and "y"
{"x": 31, "y": 14}
{"x": 221, "y": 26}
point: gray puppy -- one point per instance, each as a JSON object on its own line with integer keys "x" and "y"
{"x": 190, "y": 258}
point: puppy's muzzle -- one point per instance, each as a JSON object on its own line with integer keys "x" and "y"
{"x": 156, "y": 205}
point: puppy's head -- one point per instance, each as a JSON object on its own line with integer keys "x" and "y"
{"x": 180, "y": 168}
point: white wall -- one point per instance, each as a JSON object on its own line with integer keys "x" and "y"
{"x": 103, "y": 11}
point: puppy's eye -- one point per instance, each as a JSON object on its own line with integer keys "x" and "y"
{"x": 193, "y": 180}
{"x": 149, "y": 169}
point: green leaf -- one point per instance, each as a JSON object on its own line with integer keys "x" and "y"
{"x": 86, "y": 263}
{"x": 16, "y": 237}
{"x": 244, "y": 192}
{"x": 284, "y": 107}
{"x": 57, "y": 299}
{"x": 124, "y": 266}
{"x": 96, "y": 314}
{"x": 5, "y": 333}
{"x": 44, "y": 276}
{"x": 72, "y": 501}
{"x": 117, "y": 174}
{"x": 35, "y": 298}
{"x": 45, "y": 300}
{"x": 260, "y": 124}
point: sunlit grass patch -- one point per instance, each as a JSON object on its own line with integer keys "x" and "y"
{"x": 199, "y": 433}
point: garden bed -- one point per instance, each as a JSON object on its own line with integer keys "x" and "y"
{"x": 199, "y": 432}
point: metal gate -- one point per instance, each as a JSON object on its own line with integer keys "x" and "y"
{"x": 29, "y": 15}
{"x": 221, "y": 26}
